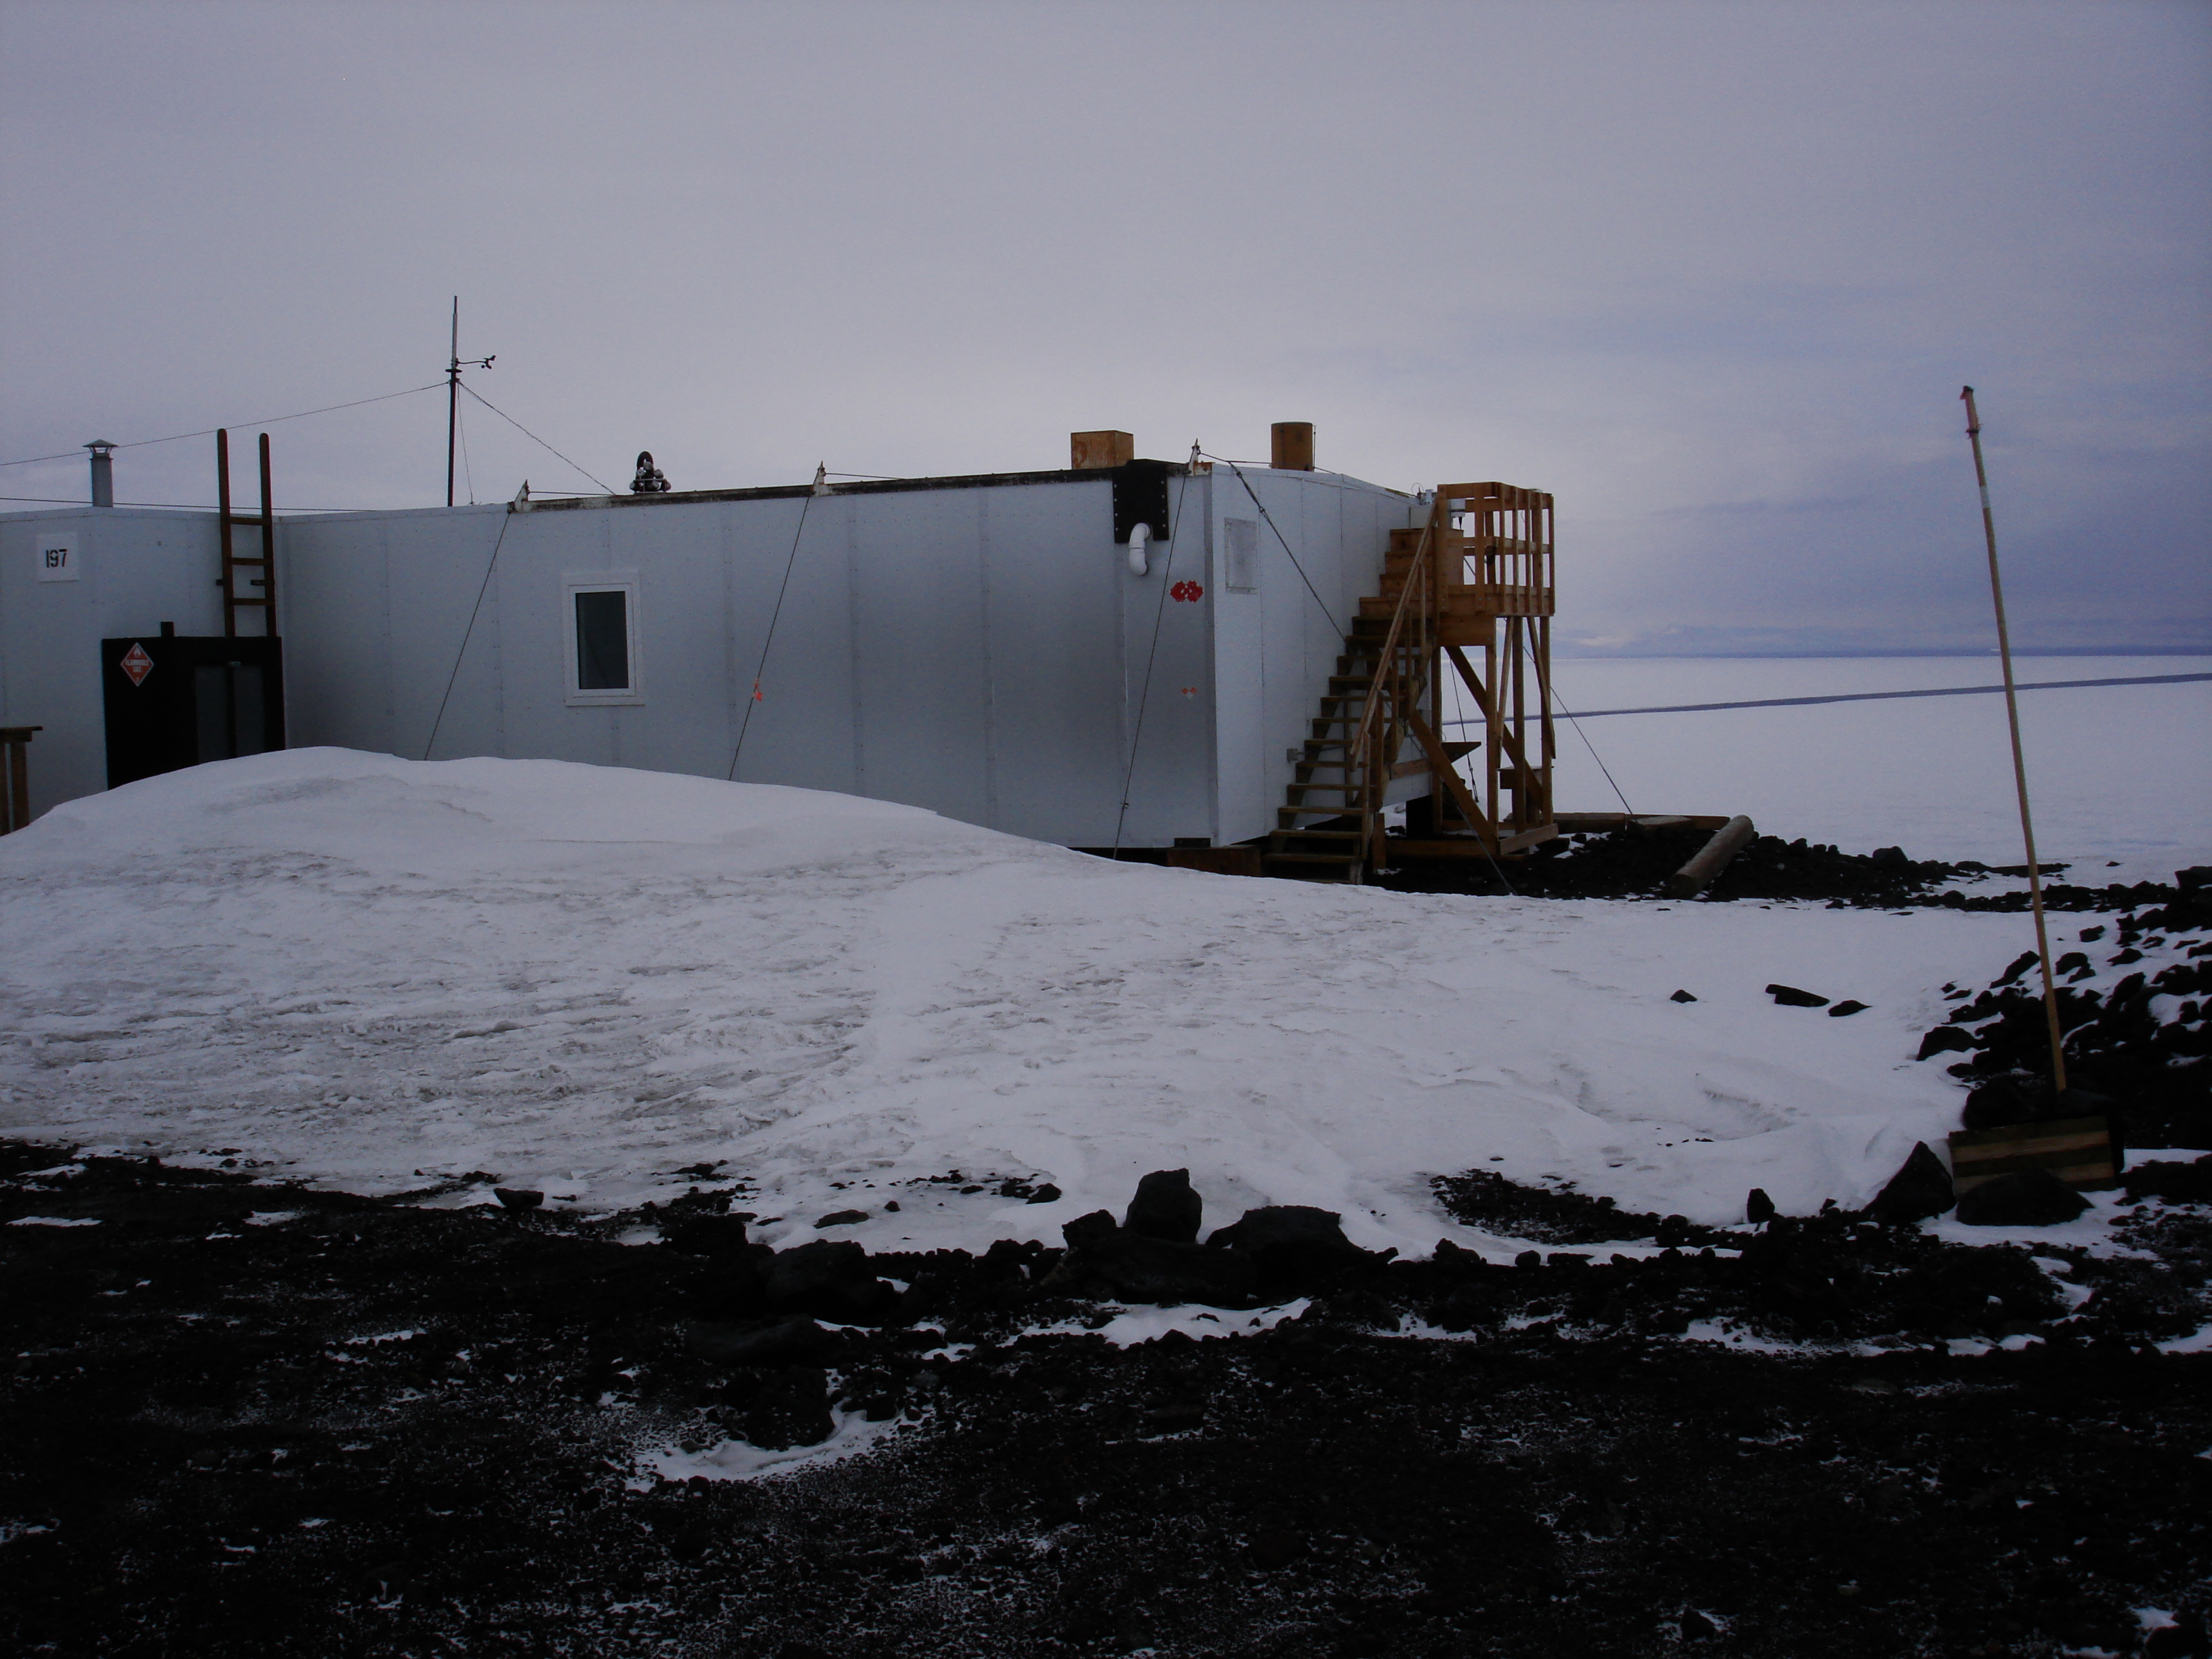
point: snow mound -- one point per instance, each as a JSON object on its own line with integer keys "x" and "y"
{"x": 583, "y": 979}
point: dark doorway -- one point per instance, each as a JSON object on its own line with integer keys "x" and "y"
{"x": 174, "y": 702}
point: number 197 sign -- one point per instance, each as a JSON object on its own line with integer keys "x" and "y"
{"x": 58, "y": 561}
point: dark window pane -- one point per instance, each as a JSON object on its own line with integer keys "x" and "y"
{"x": 603, "y": 641}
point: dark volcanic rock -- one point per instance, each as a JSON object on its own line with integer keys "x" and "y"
{"x": 782, "y": 1342}
{"x": 840, "y": 1218}
{"x": 792, "y": 1409}
{"x": 1570, "y": 1480}
{"x": 831, "y": 1279}
{"x": 517, "y": 1198}
{"x": 1845, "y": 1008}
{"x": 1758, "y": 1207}
{"x": 2139, "y": 1052}
{"x": 1789, "y": 996}
{"x": 1089, "y": 1229}
{"x": 1681, "y": 996}
{"x": 1921, "y": 1187}
{"x": 2175, "y": 1182}
{"x": 1945, "y": 1040}
{"x": 1553, "y": 1215}
{"x": 1277, "y": 1224}
{"x": 715, "y": 1236}
{"x": 1136, "y": 1268}
{"x": 1295, "y": 1246}
{"x": 2015, "y": 1098}
{"x": 1165, "y": 1207}
{"x": 2032, "y": 1198}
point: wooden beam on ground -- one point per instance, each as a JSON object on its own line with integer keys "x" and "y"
{"x": 1711, "y": 858}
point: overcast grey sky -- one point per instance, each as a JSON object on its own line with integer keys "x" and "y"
{"x": 1712, "y": 273}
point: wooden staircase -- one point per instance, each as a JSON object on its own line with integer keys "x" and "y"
{"x": 1380, "y": 718}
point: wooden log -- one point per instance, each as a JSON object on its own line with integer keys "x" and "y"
{"x": 1712, "y": 858}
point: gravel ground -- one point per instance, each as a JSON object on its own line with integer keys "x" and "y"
{"x": 257, "y": 1420}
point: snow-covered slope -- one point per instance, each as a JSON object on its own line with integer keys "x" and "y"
{"x": 582, "y": 979}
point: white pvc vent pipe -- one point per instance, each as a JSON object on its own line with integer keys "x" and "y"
{"x": 1139, "y": 564}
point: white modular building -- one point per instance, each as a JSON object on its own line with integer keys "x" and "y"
{"x": 1130, "y": 654}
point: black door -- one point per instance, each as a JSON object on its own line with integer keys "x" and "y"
{"x": 174, "y": 702}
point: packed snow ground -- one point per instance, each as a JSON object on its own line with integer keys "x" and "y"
{"x": 380, "y": 972}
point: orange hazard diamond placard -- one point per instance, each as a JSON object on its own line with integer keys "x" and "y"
{"x": 137, "y": 664}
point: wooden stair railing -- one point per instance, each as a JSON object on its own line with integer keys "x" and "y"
{"x": 1386, "y": 696}
{"x": 1365, "y": 717}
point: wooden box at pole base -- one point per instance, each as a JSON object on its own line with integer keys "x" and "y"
{"x": 2080, "y": 1151}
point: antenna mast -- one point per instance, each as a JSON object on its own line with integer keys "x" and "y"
{"x": 453, "y": 367}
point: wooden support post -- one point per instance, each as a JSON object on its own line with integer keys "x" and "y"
{"x": 1442, "y": 765}
{"x": 1544, "y": 701}
{"x": 16, "y": 810}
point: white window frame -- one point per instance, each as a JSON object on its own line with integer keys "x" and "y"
{"x": 626, "y": 583}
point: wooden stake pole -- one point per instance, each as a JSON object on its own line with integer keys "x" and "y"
{"x": 2019, "y": 762}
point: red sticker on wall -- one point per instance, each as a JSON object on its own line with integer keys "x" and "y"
{"x": 1186, "y": 592}
{"x": 137, "y": 664}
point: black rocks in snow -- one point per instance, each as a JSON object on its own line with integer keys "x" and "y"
{"x": 517, "y": 1198}
{"x": 1921, "y": 1187}
{"x": 2030, "y": 1198}
{"x": 1945, "y": 1040}
{"x": 792, "y": 1342}
{"x": 1757, "y": 1208}
{"x": 2142, "y": 1041}
{"x": 1048, "y": 1193}
{"x": 1557, "y": 1215}
{"x": 1681, "y": 996}
{"x": 1295, "y": 1249}
{"x": 840, "y": 1218}
{"x": 790, "y": 1409}
{"x": 1089, "y": 1229}
{"x": 1136, "y": 1268}
{"x": 1845, "y": 1008}
{"x": 2015, "y": 1098}
{"x": 1788, "y": 996}
{"x": 1165, "y": 1207}
{"x": 715, "y": 1236}
{"x": 2175, "y": 1182}
{"x": 831, "y": 1279}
